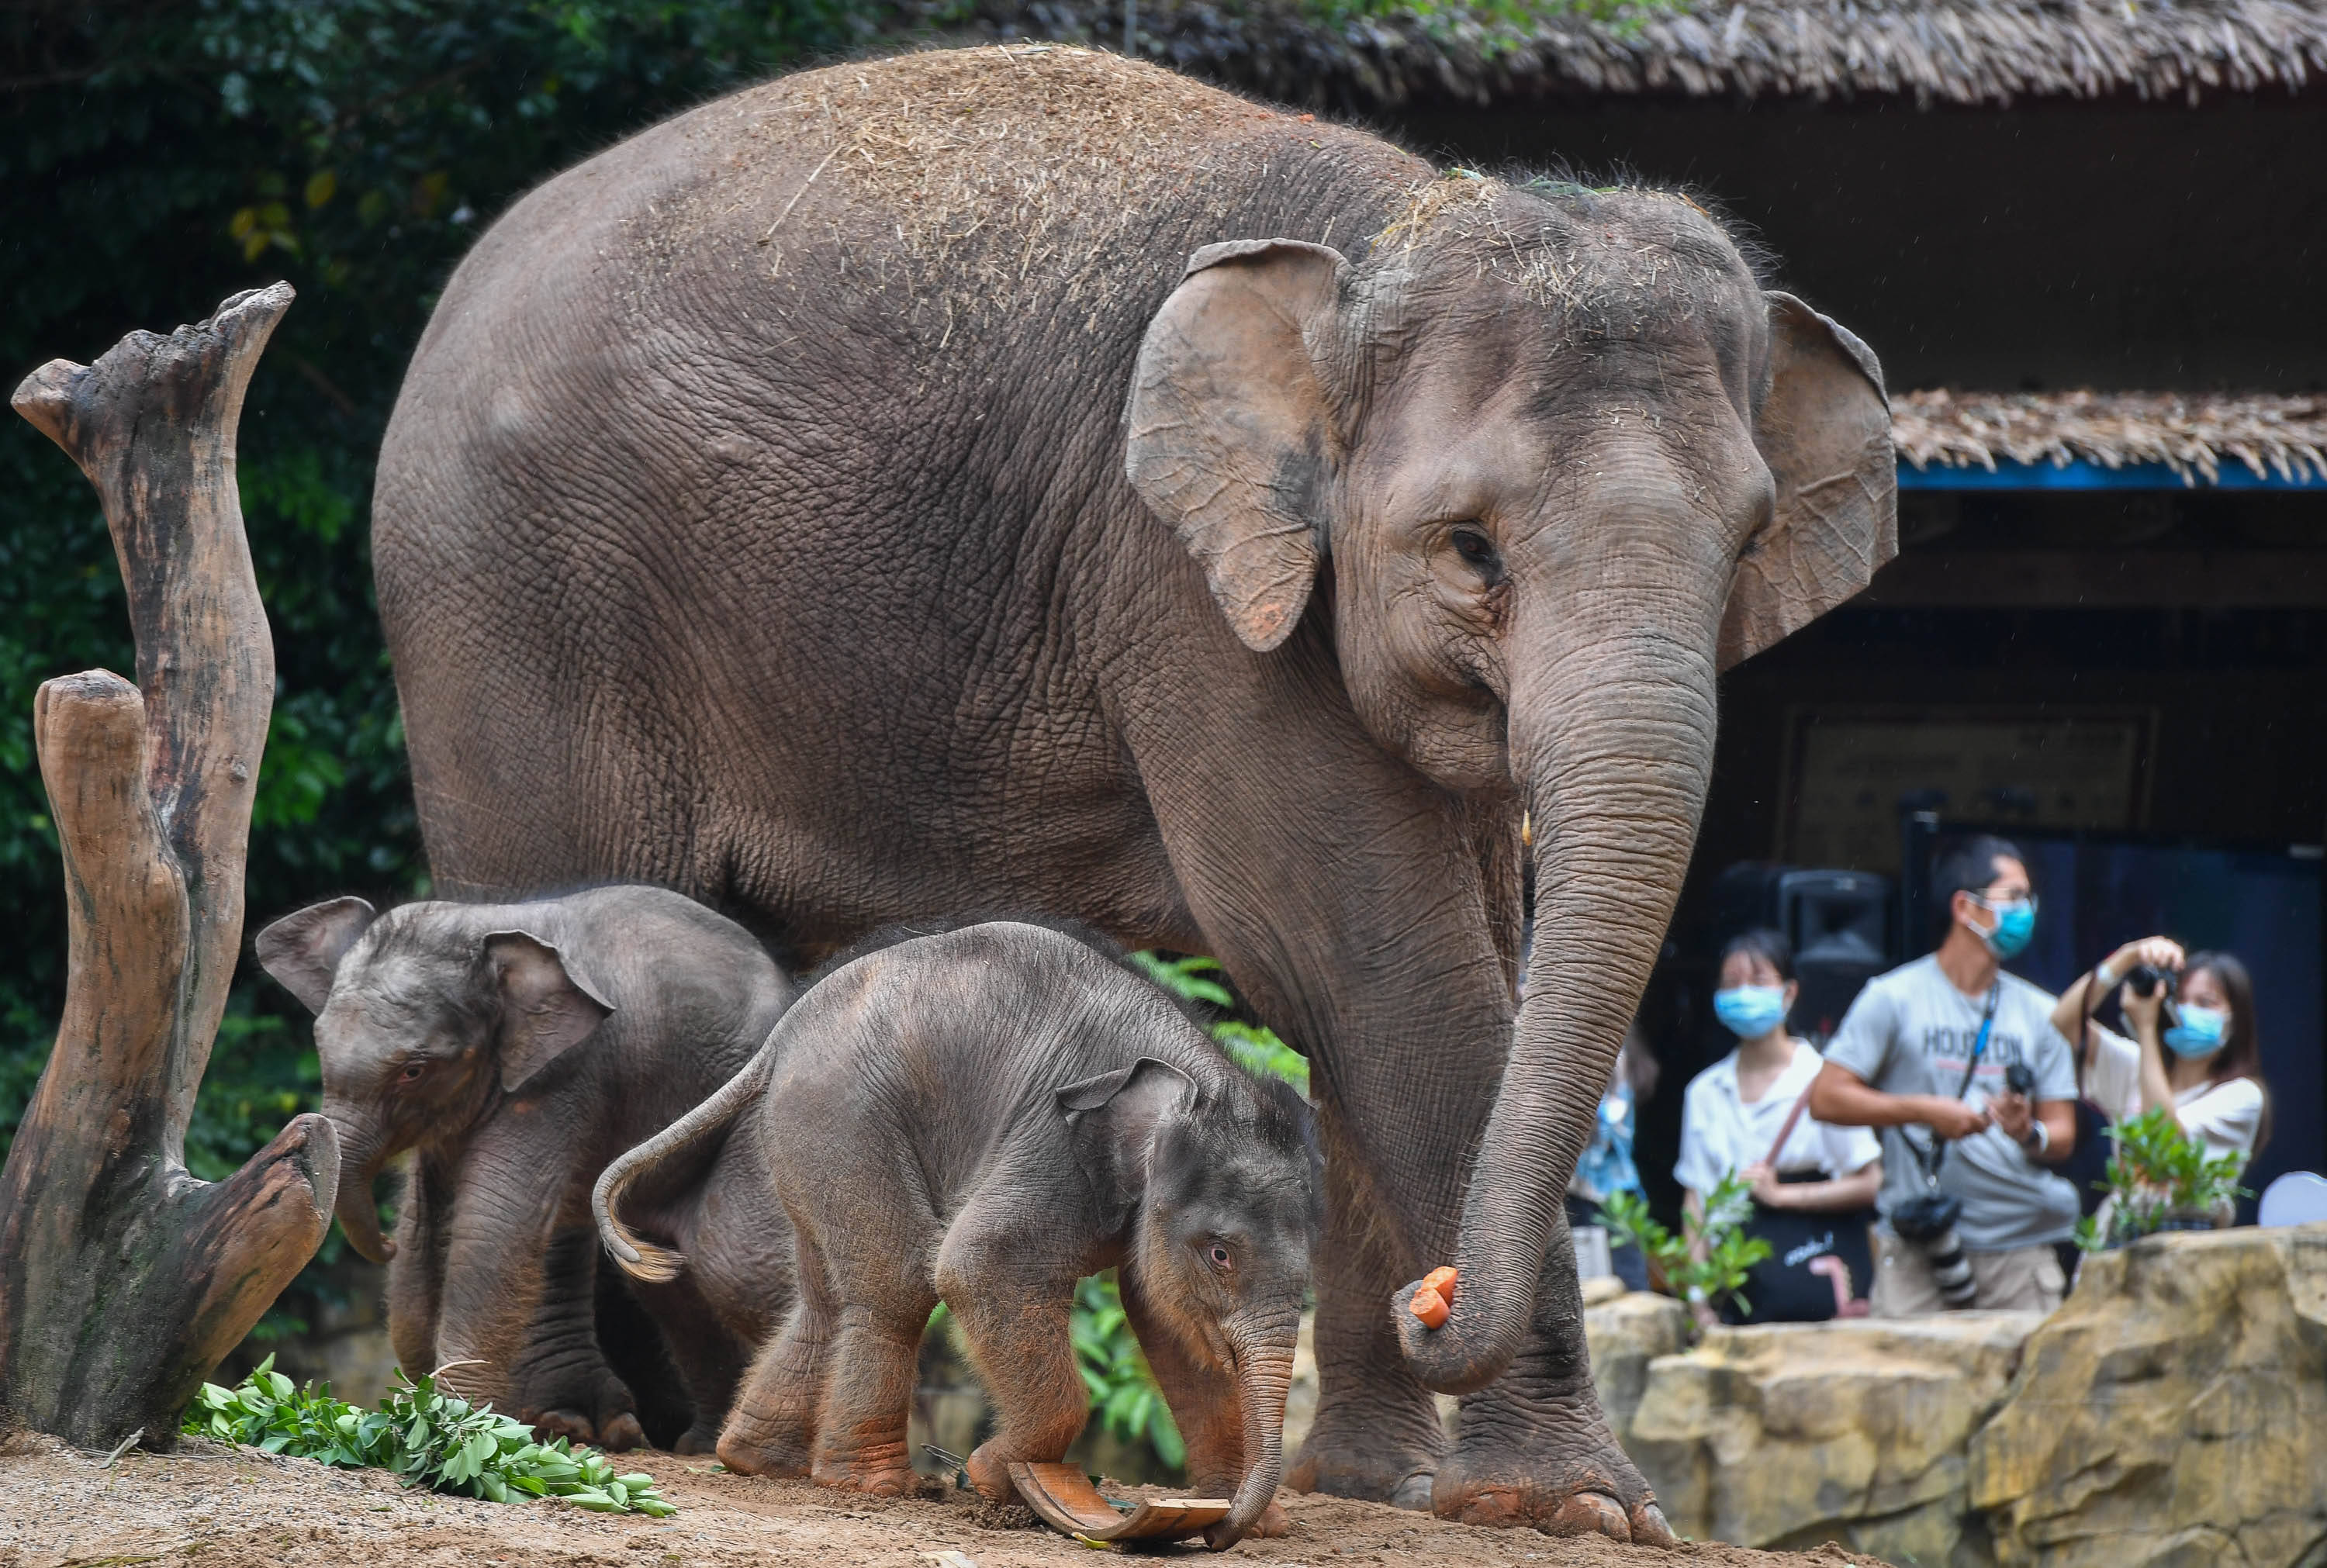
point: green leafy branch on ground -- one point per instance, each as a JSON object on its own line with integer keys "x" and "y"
{"x": 1707, "y": 1263}
{"x": 422, "y": 1435}
{"x": 1253, "y": 1047}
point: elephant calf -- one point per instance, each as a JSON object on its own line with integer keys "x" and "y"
{"x": 984, "y": 1117}
{"x": 519, "y": 1048}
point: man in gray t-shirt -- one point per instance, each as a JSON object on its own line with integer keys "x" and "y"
{"x": 1911, "y": 1061}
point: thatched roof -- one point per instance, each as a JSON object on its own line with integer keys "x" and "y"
{"x": 2194, "y": 433}
{"x": 1965, "y": 52}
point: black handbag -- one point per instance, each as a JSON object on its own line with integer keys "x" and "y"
{"x": 1820, "y": 1265}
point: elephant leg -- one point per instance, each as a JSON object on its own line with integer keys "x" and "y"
{"x": 771, "y": 1429}
{"x": 1026, "y": 1360}
{"x": 1360, "y": 913}
{"x": 710, "y": 1360}
{"x": 868, "y": 1398}
{"x": 1205, "y": 1407}
{"x": 1011, "y": 1292}
{"x": 1377, "y": 1433}
{"x": 1533, "y": 1446}
{"x": 562, "y": 1383}
{"x": 415, "y": 1277}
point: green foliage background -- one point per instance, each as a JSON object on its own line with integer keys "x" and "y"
{"x": 155, "y": 157}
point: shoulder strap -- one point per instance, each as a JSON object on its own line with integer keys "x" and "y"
{"x": 1786, "y": 1131}
{"x": 1933, "y": 1156}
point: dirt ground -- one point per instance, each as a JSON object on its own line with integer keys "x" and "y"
{"x": 223, "y": 1508}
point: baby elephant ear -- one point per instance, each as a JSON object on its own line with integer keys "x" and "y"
{"x": 1115, "y": 1116}
{"x": 303, "y": 951}
{"x": 546, "y": 1011}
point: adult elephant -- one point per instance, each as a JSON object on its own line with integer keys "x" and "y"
{"x": 763, "y": 516}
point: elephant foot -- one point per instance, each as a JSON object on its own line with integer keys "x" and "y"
{"x": 1271, "y": 1524}
{"x": 1599, "y": 1492}
{"x": 698, "y": 1439}
{"x": 881, "y": 1480}
{"x": 549, "y": 1426}
{"x": 1273, "y": 1521}
{"x": 1367, "y": 1460}
{"x": 749, "y": 1459}
{"x": 622, "y": 1433}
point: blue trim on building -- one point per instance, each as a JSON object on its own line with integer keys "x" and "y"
{"x": 2082, "y": 475}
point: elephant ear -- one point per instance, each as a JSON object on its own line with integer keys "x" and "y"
{"x": 1825, "y": 431}
{"x": 546, "y": 1011}
{"x": 303, "y": 950}
{"x": 1231, "y": 438}
{"x": 1114, "y": 1118}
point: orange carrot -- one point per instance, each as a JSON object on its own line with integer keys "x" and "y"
{"x": 1429, "y": 1306}
{"x": 1442, "y": 1279}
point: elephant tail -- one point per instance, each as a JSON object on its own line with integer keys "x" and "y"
{"x": 645, "y": 1260}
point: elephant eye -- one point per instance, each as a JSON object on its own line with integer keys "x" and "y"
{"x": 1479, "y": 553}
{"x": 412, "y": 1072}
{"x": 1221, "y": 1259}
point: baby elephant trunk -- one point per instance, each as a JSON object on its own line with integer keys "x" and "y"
{"x": 1264, "y": 1367}
{"x": 360, "y": 1158}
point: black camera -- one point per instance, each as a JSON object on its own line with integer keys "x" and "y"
{"x": 1929, "y": 1222}
{"x": 2143, "y": 979}
{"x": 2019, "y": 1077}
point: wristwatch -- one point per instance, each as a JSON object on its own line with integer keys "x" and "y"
{"x": 2039, "y": 1137}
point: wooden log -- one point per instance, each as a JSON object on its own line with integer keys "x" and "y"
{"x": 124, "y": 1280}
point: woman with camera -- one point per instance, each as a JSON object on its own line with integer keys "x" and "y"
{"x": 2194, "y": 1047}
{"x": 1813, "y": 1185}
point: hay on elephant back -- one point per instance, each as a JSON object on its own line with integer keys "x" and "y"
{"x": 1009, "y": 178}
{"x": 1961, "y": 51}
{"x": 2194, "y": 433}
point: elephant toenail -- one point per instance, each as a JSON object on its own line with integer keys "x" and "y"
{"x": 1588, "y": 1514}
{"x": 1650, "y": 1526}
{"x": 1414, "y": 1491}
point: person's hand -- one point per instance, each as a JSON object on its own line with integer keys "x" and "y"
{"x": 2157, "y": 952}
{"x": 1952, "y": 1118}
{"x": 2140, "y": 1013}
{"x": 2013, "y": 1114}
{"x": 1768, "y": 1191}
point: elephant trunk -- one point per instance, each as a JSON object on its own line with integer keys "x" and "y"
{"x": 1264, "y": 1367}
{"x": 362, "y": 1153}
{"x": 1612, "y": 743}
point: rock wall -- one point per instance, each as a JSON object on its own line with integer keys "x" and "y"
{"x": 2171, "y": 1415}
{"x": 1794, "y": 1434}
{"x": 2173, "y": 1411}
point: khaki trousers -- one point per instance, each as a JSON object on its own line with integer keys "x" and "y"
{"x": 2026, "y": 1278}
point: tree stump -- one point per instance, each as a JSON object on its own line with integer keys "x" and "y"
{"x": 124, "y": 1280}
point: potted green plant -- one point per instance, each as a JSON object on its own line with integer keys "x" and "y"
{"x": 2159, "y": 1178}
{"x": 1707, "y": 1264}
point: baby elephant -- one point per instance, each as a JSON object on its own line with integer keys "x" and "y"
{"x": 984, "y": 1117}
{"x": 519, "y": 1048}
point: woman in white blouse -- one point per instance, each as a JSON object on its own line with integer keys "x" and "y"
{"x": 1734, "y": 1110}
{"x": 2205, "y": 1063}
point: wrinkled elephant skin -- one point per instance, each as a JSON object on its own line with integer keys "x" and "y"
{"x": 1030, "y": 481}
{"x": 519, "y": 1049}
{"x": 984, "y": 1117}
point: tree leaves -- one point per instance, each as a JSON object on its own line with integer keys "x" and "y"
{"x": 422, "y": 1434}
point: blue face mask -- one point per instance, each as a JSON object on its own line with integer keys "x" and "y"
{"x": 2015, "y": 925}
{"x": 2201, "y": 1031}
{"x": 1751, "y": 1011}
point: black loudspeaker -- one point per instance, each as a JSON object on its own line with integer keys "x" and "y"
{"x": 1836, "y": 921}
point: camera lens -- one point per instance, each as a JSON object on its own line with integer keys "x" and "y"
{"x": 1950, "y": 1270}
